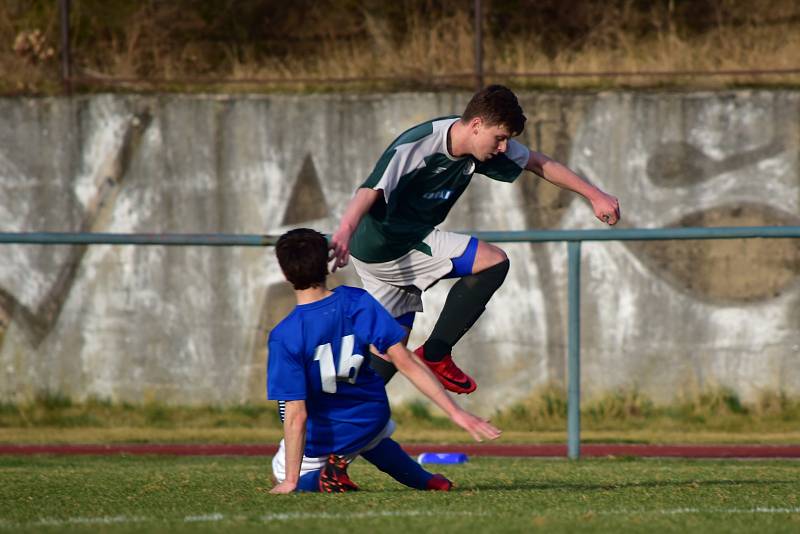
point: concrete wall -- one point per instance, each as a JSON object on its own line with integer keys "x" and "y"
{"x": 188, "y": 325}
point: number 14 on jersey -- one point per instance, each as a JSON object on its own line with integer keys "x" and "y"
{"x": 349, "y": 364}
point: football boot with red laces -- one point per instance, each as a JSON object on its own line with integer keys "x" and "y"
{"x": 334, "y": 478}
{"x": 451, "y": 377}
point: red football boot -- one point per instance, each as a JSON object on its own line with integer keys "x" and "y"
{"x": 439, "y": 483}
{"x": 451, "y": 377}
{"x": 334, "y": 478}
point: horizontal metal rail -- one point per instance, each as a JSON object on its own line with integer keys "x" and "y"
{"x": 641, "y": 234}
{"x": 524, "y": 236}
{"x": 181, "y": 240}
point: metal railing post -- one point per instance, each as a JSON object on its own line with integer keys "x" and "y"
{"x": 66, "y": 55}
{"x": 478, "y": 45}
{"x": 574, "y": 350}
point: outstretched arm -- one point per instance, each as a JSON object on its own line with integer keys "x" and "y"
{"x": 605, "y": 206}
{"x": 360, "y": 204}
{"x": 294, "y": 442}
{"x": 423, "y": 379}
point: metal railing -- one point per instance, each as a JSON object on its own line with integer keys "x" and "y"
{"x": 573, "y": 238}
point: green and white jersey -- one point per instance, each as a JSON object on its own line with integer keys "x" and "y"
{"x": 421, "y": 182}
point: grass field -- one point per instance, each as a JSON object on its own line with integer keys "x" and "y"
{"x": 200, "y": 494}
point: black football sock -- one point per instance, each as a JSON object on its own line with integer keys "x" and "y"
{"x": 465, "y": 303}
{"x": 384, "y": 369}
{"x": 395, "y": 462}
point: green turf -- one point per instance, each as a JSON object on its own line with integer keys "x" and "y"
{"x": 167, "y": 494}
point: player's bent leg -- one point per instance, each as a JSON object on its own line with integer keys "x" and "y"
{"x": 393, "y": 460}
{"x": 331, "y": 478}
{"x": 310, "y": 469}
{"x": 465, "y": 303}
{"x": 487, "y": 256}
{"x": 309, "y": 483}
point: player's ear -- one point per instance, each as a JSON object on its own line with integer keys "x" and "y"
{"x": 475, "y": 124}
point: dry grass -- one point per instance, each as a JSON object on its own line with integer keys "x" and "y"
{"x": 713, "y": 410}
{"x": 752, "y": 47}
{"x": 124, "y": 434}
{"x": 419, "y": 44}
{"x": 713, "y": 416}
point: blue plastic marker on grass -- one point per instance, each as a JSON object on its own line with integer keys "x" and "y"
{"x": 442, "y": 458}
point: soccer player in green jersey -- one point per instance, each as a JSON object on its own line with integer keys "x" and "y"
{"x": 389, "y": 227}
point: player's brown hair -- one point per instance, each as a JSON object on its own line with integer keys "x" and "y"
{"x": 497, "y": 105}
{"x": 303, "y": 257}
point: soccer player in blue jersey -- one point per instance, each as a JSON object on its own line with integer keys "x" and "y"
{"x": 335, "y": 404}
{"x": 389, "y": 227}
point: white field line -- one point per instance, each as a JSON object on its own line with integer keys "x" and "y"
{"x": 217, "y": 517}
{"x": 305, "y": 516}
{"x": 102, "y": 520}
{"x": 363, "y": 515}
{"x": 203, "y": 518}
{"x": 679, "y": 511}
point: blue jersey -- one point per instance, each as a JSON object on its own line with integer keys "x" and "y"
{"x": 320, "y": 353}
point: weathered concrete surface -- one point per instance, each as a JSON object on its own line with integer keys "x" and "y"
{"x": 190, "y": 324}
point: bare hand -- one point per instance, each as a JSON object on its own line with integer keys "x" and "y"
{"x": 339, "y": 249}
{"x": 606, "y": 208}
{"x": 478, "y": 428}
{"x": 284, "y": 487}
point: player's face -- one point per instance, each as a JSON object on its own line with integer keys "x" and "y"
{"x": 488, "y": 141}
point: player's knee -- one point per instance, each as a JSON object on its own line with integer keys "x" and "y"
{"x": 499, "y": 255}
{"x": 489, "y": 256}
{"x": 494, "y": 254}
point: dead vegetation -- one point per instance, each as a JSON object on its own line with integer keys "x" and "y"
{"x": 422, "y": 44}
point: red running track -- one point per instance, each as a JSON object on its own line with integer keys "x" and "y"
{"x": 491, "y": 449}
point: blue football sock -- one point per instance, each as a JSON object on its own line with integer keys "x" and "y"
{"x": 392, "y": 460}
{"x": 309, "y": 482}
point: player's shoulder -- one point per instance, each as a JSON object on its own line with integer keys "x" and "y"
{"x": 422, "y": 131}
{"x": 351, "y": 294}
{"x": 285, "y": 331}
{"x": 356, "y": 298}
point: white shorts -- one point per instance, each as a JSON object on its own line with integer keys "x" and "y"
{"x": 398, "y": 284}
{"x": 310, "y": 464}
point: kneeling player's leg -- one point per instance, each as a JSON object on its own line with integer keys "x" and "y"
{"x": 325, "y": 474}
{"x": 309, "y": 482}
{"x": 331, "y": 478}
{"x": 392, "y": 460}
{"x": 482, "y": 268}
